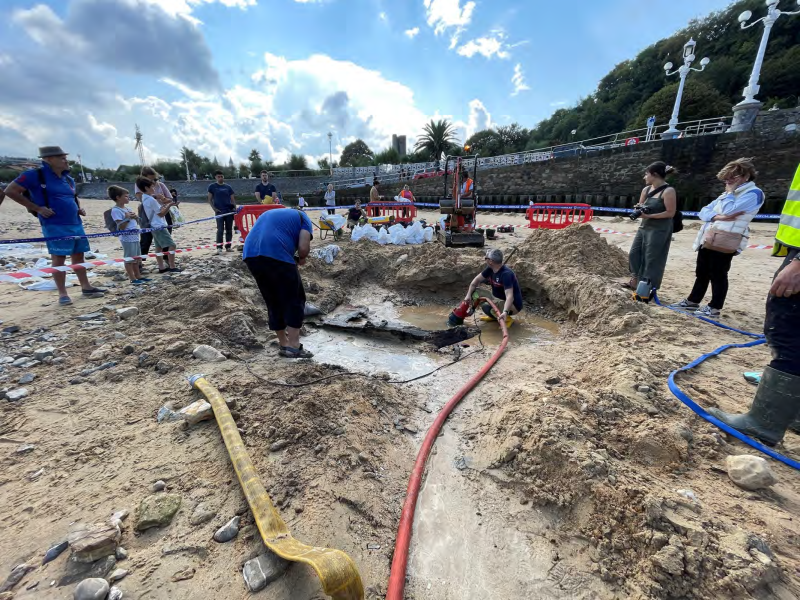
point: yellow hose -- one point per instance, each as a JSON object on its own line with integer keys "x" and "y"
{"x": 337, "y": 571}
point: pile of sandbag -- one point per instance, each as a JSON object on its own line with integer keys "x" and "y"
{"x": 396, "y": 234}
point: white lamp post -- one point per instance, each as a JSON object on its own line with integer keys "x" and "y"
{"x": 746, "y": 111}
{"x": 330, "y": 152}
{"x": 683, "y": 71}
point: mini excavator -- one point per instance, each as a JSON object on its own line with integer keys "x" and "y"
{"x": 460, "y": 204}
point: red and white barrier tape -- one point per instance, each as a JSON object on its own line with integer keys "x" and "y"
{"x": 18, "y": 275}
{"x": 605, "y": 230}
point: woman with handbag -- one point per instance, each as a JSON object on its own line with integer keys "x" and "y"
{"x": 650, "y": 248}
{"x": 724, "y": 234}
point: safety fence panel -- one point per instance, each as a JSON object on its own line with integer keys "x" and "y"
{"x": 558, "y": 216}
{"x": 247, "y": 215}
{"x": 402, "y": 212}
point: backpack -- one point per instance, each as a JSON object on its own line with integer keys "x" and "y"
{"x": 144, "y": 222}
{"x": 43, "y": 185}
{"x": 111, "y": 224}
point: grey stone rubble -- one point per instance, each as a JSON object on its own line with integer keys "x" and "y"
{"x": 103, "y": 367}
{"x": 26, "y": 378}
{"x": 91, "y": 317}
{"x": 127, "y": 313}
{"x": 208, "y": 354}
{"x": 92, "y": 542}
{"x": 16, "y": 575}
{"x": 25, "y": 449}
{"x": 197, "y": 412}
{"x": 91, "y": 589}
{"x": 228, "y": 531}
{"x": 158, "y": 486}
{"x": 115, "y": 593}
{"x": 17, "y": 394}
{"x": 157, "y": 511}
{"x": 43, "y": 353}
{"x": 263, "y": 570}
{"x": 202, "y": 514}
{"x": 750, "y": 472}
{"x": 121, "y": 553}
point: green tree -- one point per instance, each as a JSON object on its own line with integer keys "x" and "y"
{"x": 356, "y": 154}
{"x": 256, "y": 164}
{"x": 437, "y": 138}
{"x": 700, "y": 101}
{"x": 390, "y": 156}
{"x": 323, "y": 164}
{"x": 191, "y": 157}
{"x": 513, "y": 138}
{"x": 485, "y": 143}
{"x": 298, "y": 162}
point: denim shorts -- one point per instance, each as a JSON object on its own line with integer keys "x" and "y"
{"x": 131, "y": 249}
{"x": 65, "y": 247}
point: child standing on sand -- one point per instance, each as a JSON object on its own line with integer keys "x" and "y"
{"x": 126, "y": 219}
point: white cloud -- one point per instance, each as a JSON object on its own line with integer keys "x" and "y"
{"x": 445, "y": 15}
{"x": 489, "y": 46}
{"x": 479, "y": 118}
{"x": 383, "y": 17}
{"x": 518, "y": 80}
{"x": 184, "y": 8}
{"x": 46, "y": 28}
{"x": 184, "y": 89}
{"x": 558, "y": 103}
{"x": 412, "y": 33}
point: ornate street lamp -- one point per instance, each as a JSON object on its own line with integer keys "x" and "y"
{"x": 683, "y": 71}
{"x": 746, "y": 111}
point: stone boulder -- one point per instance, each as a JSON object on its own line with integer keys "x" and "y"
{"x": 157, "y": 511}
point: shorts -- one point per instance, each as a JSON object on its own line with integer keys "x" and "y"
{"x": 131, "y": 249}
{"x": 162, "y": 239}
{"x": 65, "y": 247}
{"x": 282, "y": 290}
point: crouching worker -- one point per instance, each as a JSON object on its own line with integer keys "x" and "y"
{"x": 279, "y": 241}
{"x": 505, "y": 287}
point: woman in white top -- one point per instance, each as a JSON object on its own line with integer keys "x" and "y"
{"x": 301, "y": 202}
{"x": 330, "y": 200}
{"x": 729, "y": 216}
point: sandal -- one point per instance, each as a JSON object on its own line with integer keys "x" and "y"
{"x": 93, "y": 293}
{"x": 288, "y": 352}
{"x": 64, "y": 301}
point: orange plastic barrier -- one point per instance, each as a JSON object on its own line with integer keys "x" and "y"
{"x": 246, "y": 217}
{"x": 557, "y": 216}
{"x": 404, "y": 212}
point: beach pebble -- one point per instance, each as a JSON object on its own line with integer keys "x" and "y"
{"x": 263, "y": 570}
{"x": 91, "y": 589}
{"x": 158, "y": 486}
{"x": 117, "y": 575}
{"x": 27, "y": 378}
{"x": 228, "y": 531}
{"x": 114, "y": 593}
{"x": 43, "y": 353}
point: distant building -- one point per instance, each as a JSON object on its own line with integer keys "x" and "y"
{"x": 399, "y": 144}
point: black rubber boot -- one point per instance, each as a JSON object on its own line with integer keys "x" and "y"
{"x": 795, "y": 426}
{"x": 488, "y": 311}
{"x": 775, "y": 407}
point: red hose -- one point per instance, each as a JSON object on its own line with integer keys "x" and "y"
{"x": 397, "y": 578}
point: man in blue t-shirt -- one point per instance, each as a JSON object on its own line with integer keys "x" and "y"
{"x": 504, "y": 287}
{"x": 49, "y": 192}
{"x": 266, "y": 193}
{"x": 269, "y": 252}
{"x": 223, "y": 201}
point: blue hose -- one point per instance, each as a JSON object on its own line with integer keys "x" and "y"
{"x": 678, "y": 393}
{"x": 699, "y": 410}
{"x": 707, "y": 320}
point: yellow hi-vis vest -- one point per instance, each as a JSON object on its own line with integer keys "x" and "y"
{"x": 788, "y": 235}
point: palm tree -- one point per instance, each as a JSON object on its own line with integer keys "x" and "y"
{"x": 437, "y": 138}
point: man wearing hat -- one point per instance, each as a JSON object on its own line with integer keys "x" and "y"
{"x": 49, "y": 193}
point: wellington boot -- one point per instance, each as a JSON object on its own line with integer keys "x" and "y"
{"x": 775, "y": 407}
{"x": 509, "y": 322}
{"x": 795, "y": 426}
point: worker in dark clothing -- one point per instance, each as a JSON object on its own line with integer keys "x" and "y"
{"x": 776, "y": 406}
{"x": 278, "y": 243}
{"x": 505, "y": 287}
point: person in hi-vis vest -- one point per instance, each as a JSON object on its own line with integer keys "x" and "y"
{"x": 776, "y": 406}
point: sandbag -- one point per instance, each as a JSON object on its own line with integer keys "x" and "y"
{"x": 384, "y": 237}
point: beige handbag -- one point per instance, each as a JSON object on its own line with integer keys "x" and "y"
{"x": 726, "y": 242}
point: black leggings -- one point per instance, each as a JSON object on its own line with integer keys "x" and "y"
{"x": 331, "y": 211}
{"x": 282, "y": 289}
{"x": 712, "y": 267}
{"x": 224, "y": 225}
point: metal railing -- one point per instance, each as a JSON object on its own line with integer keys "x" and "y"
{"x": 577, "y": 148}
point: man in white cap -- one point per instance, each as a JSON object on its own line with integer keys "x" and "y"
{"x": 48, "y": 192}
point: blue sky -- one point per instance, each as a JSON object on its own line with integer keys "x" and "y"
{"x": 225, "y": 76}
